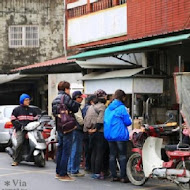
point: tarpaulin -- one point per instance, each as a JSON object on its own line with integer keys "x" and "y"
{"x": 182, "y": 88}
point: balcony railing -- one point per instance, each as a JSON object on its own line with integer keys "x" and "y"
{"x": 101, "y": 5}
{"x": 93, "y": 7}
{"x": 77, "y": 11}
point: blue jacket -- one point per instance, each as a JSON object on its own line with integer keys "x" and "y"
{"x": 116, "y": 120}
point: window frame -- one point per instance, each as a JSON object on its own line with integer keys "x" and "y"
{"x": 34, "y": 41}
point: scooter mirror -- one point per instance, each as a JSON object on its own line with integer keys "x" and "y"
{"x": 44, "y": 112}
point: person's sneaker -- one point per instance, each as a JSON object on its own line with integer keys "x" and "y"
{"x": 114, "y": 179}
{"x": 88, "y": 171}
{"x": 57, "y": 176}
{"x": 107, "y": 174}
{"x": 124, "y": 180}
{"x": 94, "y": 176}
{"x": 14, "y": 164}
{"x": 97, "y": 176}
{"x": 66, "y": 178}
{"x": 78, "y": 174}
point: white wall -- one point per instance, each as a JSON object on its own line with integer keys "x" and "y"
{"x": 54, "y": 79}
{"x": 99, "y": 25}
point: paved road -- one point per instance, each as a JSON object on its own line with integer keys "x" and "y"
{"x": 26, "y": 176}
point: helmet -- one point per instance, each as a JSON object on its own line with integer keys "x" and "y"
{"x": 23, "y": 97}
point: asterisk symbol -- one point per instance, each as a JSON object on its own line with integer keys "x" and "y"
{"x": 7, "y": 183}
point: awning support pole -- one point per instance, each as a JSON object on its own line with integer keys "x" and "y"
{"x": 132, "y": 106}
{"x": 180, "y": 103}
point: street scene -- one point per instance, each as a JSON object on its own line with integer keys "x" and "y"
{"x": 94, "y": 94}
{"x": 29, "y": 177}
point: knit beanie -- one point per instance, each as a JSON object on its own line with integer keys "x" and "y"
{"x": 100, "y": 93}
{"x": 23, "y": 97}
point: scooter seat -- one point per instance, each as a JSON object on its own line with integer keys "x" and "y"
{"x": 176, "y": 147}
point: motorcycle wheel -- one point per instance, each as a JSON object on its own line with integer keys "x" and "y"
{"x": 40, "y": 160}
{"x": 184, "y": 186}
{"x": 135, "y": 177}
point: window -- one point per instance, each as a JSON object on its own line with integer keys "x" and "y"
{"x": 23, "y": 36}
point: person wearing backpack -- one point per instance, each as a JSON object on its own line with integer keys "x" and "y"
{"x": 64, "y": 139}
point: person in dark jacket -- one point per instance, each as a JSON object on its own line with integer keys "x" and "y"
{"x": 64, "y": 140}
{"x": 91, "y": 100}
{"x": 77, "y": 144}
{"x": 116, "y": 121}
{"x": 21, "y": 116}
{"x": 93, "y": 123}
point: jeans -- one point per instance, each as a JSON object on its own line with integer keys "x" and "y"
{"x": 63, "y": 152}
{"x": 118, "y": 149}
{"x": 98, "y": 143}
{"x": 76, "y": 152}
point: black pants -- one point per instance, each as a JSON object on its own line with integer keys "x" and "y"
{"x": 20, "y": 137}
{"x": 99, "y": 147}
{"x": 87, "y": 150}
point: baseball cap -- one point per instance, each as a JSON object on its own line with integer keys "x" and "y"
{"x": 77, "y": 94}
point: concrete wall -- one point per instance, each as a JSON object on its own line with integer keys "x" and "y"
{"x": 54, "y": 79}
{"x": 47, "y": 14}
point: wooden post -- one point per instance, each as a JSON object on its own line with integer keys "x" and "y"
{"x": 88, "y": 6}
{"x": 115, "y": 2}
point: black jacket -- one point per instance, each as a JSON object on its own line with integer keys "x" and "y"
{"x": 22, "y": 115}
{"x": 71, "y": 104}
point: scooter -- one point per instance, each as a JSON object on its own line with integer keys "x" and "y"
{"x": 50, "y": 135}
{"x": 34, "y": 145}
{"x": 146, "y": 161}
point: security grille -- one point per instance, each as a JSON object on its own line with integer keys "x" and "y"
{"x": 23, "y": 36}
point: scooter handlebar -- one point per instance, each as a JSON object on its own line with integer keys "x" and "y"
{"x": 171, "y": 124}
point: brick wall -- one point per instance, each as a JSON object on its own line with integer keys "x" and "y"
{"x": 154, "y": 17}
{"x": 150, "y": 18}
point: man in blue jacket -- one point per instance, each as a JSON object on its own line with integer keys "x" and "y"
{"x": 116, "y": 121}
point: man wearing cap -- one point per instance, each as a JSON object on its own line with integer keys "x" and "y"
{"x": 21, "y": 116}
{"x": 76, "y": 152}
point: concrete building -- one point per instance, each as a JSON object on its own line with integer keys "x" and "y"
{"x": 30, "y": 32}
{"x": 132, "y": 45}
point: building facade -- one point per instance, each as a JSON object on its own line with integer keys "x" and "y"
{"x": 31, "y": 32}
{"x": 152, "y": 35}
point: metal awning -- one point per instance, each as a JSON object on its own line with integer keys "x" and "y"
{"x": 124, "y": 73}
{"x": 123, "y": 61}
{"x": 131, "y": 46}
{"x": 58, "y": 65}
{"x": 11, "y": 77}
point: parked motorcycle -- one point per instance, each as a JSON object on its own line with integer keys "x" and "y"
{"x": 34, "y": 145}
{"x": 50, "y": 135}
{"x": 146, "y": 161}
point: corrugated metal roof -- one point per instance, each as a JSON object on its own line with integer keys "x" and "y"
{"x": 57, "y": 61}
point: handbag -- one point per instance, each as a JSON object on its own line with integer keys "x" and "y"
{"x": 66, "y": 121}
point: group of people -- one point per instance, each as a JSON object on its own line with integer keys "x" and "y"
{"x": 102, "y": 130}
